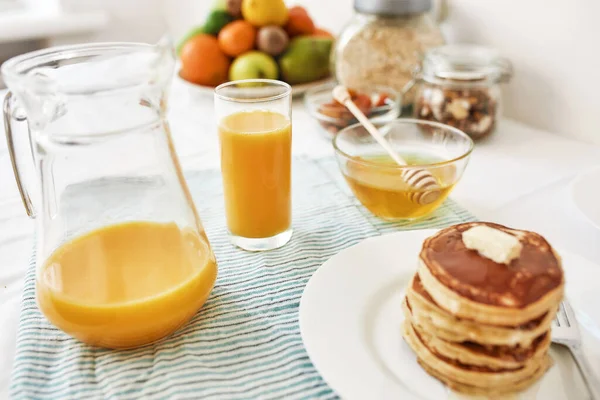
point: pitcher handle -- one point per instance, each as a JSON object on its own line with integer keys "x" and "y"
{"x": 8, "y": 107}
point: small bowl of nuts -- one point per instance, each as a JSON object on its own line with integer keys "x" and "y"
{"x": 380, "y": 104}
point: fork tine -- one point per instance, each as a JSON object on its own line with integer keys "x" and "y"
{"x": 564, "y": 314}
{"x": 561, "y": 316}
{"x": 570, "y": 314}
{"x": 570, "y": 336}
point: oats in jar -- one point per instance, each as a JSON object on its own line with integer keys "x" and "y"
{"x": 383, "y": 46}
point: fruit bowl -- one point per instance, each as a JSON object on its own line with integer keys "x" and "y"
{"x": 255, "y": 39}
{"x": 196, "y": 90}
{"x": 380, "y": 104}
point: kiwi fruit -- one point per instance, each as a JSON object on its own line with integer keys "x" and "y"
{"x": 272, "y": 40}
{"x": 234, "y": 8}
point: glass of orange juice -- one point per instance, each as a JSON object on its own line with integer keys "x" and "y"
{"x": 255, "y": 132}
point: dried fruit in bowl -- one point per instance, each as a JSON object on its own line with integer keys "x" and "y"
{"x": 367, "y": 104}
{"x": 381, "y": 99}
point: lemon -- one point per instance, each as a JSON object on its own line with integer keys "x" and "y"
{"x": 265, "y": 12}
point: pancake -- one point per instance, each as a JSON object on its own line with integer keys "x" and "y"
{"x": 430, "y": 317}
{"x": 491, "y": 393}
{"x": 491, "y": 356}
{"x": 472, "y": 378}
{"x": 473, "y": 287}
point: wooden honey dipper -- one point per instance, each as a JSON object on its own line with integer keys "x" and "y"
{"x": 418, "y": 178}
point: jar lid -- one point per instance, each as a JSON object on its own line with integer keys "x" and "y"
{"x": 461, "y": 62}
{"x": 392, "y": 7}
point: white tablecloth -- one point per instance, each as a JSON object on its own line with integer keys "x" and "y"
{"x": 519, "y": 177}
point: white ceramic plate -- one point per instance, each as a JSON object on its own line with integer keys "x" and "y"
{"x": 350, "y": 321}
{"x": 585, "y": 191}
{"x": 201, "y": 90}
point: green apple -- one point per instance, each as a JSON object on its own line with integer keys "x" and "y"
{"x": 219, "y": 5}
{"x": 253, "y": 65}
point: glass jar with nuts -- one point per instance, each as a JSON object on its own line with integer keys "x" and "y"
{"x": 459, "y": 85}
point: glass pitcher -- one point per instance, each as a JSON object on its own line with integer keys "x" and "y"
{"x": 122, "y": 257}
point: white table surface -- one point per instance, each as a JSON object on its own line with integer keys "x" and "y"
{"x": 519, "y": 177}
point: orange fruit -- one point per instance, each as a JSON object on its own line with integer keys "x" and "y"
{"x": 299, "y": 22}
{"x": 237, "y": 37}
{"x": 322, "y": 33}
{"x": 297, "y": 10}
{"x": 203, "y": 62}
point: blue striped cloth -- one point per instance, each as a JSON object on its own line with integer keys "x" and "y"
{"x": 245, "y": 343}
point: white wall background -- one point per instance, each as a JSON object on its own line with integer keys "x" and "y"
{"x": 130, "y": 20}
{"x": 555, "y": 48}
{"x": 554, "y": 45}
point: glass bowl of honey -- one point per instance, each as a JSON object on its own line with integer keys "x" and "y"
{"x": 379, "y": 183}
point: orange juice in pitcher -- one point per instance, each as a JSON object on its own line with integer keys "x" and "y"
{"x": 128, "y": 284}
{"x": 122, "y": 259}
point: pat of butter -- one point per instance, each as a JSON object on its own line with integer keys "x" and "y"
{"x": 491, "y": 243}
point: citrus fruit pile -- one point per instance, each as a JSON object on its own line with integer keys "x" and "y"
{"x": 249, "y": 39}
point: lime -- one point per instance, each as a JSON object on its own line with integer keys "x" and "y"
{"x": 216, "y": 20}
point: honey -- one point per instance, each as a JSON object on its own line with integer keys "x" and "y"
{"x": 376, "y": 181}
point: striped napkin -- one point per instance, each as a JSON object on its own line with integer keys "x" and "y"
{"x": 245, "y": 343}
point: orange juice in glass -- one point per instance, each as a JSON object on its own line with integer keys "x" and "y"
{"x": 255, "y": 132}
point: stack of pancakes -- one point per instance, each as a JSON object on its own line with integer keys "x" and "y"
{"x": 479, "y": 326}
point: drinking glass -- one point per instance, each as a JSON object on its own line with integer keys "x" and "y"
{"x": 255, "y": 133}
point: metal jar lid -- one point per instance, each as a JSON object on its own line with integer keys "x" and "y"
{"x": 392, "y": 8}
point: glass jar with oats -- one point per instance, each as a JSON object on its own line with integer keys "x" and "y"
{"x": 384, "y": 42}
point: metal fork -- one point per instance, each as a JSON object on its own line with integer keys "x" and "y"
{"x": 565, "y": 331}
